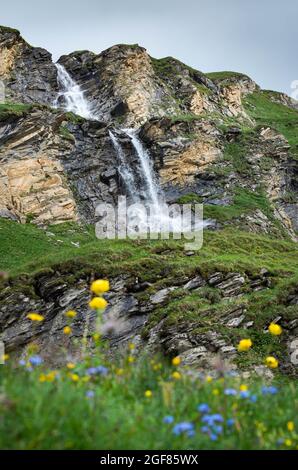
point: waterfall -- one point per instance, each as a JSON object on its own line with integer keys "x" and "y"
{"x": 125, "y": 170}
{"x": 140, "y": 181}
{"x": 71, "y": 95}
{"x": 146, "y": 167}
{"x": 142, "y": 185}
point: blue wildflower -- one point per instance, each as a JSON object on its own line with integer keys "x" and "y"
{"x": 97, "y": 370}
{"x": 280, "y": 441}
{"x": 210, "y": 420}
{"x": 230, "y": 422}
{"x": 244, "y": 394}
{"x": 203, "y": 408}
{"x": 22, "y": 362}
{"x": 218, "y": 417}
{"x": 204, "y": 429}
{"x": 191, "y": 433}
{"x": 35, "y": 360}
{"x": 102, "y": 370}
{"x": 213, "y": 437}
{"x": 269, "y": 390}
{"x": 230, "y": 391}
{"x": 217, "y": 429}
{"x": 168, "y": 419}
{"x": 182, "y": 427}
{"x": 90, "y": 394}
{"x": 253, "y": 398}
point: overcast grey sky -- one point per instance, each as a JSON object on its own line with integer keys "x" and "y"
{"x": 257, "y": 37}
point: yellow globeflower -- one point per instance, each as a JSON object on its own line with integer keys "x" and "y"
{"x": 290, "y": 426}
{"x": 176, "y": 361}
{"x": 119, "y": 371}
{"x": 67, "y": 330}
{"x": 70, "y": 365}
{"x": 98, "y": 303}
{"x": 42, "y": 378}
{"x": 148, "y": 394}
{"x": 100, "y": 286}
{"x": 215, "y": 392}
{"x": 71, "y": 314}
{"x": 244, "y": 345}
{"x": 74, "y": 377}
{"x": 243, "y": 388}
{"x": 131, "y": 346}
{"x": 288, "y": 442}
{"x": 35, "y": 317}
{"x": 208, "y": 379}
{"x": 4, "y": 357}
{"x": 176, "y": 375}
{"x": 50, "y": 377}
{"x": 131, "y": 359}
{"x": 96, "y": 336}
{"x": 275, "y": 329}
{"x": 271, "y": 362}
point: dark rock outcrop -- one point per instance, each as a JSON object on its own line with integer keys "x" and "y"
{"x": 28, "y": 73}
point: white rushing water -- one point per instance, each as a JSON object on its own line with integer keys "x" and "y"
{"x": 147, "y": 172}
{"x": 143, "y": 188}
{"x": 71, "y": 95}
{"x": 125, "y": 170}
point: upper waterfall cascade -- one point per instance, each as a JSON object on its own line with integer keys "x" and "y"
{"x": 71, "y": 96}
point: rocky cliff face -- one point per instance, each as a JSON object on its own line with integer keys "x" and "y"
{"x": 27, "y": 72}
{"x": 214, "y": 138}
{"x": 188, "y": 121}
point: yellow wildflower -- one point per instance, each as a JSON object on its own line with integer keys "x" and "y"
{"x": 290, "y": 426}
{"x": 148, "y": 394}
{"x": 42, "y": 378}
{"x": 244, "y": 345}
{"x": 271, "y": 362}
{"x": 74, "y": 377}
{"x": 71, "y": 314}
{"x": 288, "y": 442}
{"x": 35, "y": 317}
{"x": 208, "y": 379}
{"x": 131, "y": 346}
{"x": 243, "y": 388}
{"x": 131, "y": 359}
{"x": 70, "y": 365}
{"x": 5, "y": 357}
{"x": 176, "y": 375}
{"x": 275, "y": 329}
{"x": 98, "y": 303}
{"x": 176, "y": 361}
{"x": 96, "y": 336}
{"x": 119, "y": 371}
{"x": 67, "y": 330}
{"x": 100, "y": 286}
{"x": 215, "y": 392}
{"x": 157, "y": 366}
{"x": 50, "y": 377}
